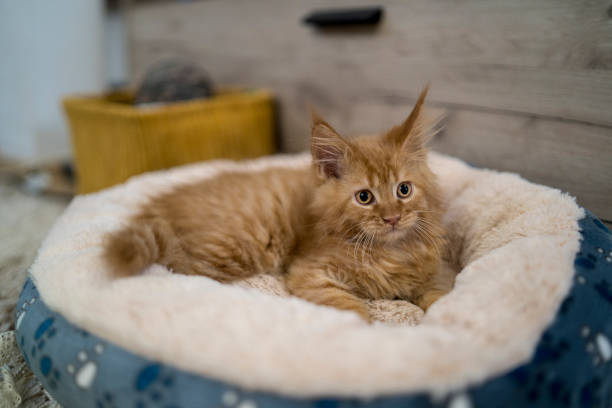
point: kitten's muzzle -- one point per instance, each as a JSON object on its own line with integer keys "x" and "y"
{"x": 393, "y": 220}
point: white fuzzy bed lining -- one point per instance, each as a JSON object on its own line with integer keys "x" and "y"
{"x": 516, "y": 241}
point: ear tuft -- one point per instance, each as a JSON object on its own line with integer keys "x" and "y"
{"x": 329, "y": 150}
{"x": 411, "y": 134}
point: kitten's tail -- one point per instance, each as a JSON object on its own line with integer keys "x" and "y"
{"x": 133, "y": 248}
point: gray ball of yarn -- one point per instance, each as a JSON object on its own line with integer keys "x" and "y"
{"x": 173, "y": 80}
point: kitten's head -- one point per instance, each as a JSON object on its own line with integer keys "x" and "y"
{"x": 376, "y": 188}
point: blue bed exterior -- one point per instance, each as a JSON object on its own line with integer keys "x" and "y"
{"x": 571, "y": 366}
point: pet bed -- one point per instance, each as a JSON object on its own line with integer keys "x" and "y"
{"x": 528, "y": 322}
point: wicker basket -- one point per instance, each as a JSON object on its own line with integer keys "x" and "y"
{"x": 113, "y": 140}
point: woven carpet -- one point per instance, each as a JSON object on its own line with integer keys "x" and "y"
{"x": 24, "y": 222}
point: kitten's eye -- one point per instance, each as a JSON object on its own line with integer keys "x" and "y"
{"x": 404, "y": 190}
{"x": 364, "y": 197}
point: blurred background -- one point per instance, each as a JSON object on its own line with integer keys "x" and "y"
{"x": 524, "y": 86}
{"x": 95, "y": 91}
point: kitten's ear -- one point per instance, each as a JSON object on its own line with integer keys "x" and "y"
{"x": 329, "y": 150}
{"x": 411, "y": 135}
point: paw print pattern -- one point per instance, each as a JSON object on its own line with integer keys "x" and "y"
{"x": 51, "y": 374}
{"x": 550, "y": 350}
{"x": 607, "y": 256}
{"x": 232, "y": 399}
{"x": 44, "y": 332}
{"x": 589, "y": 261}
{"x": 20, "y": 314}
{"x": 597, "y": 345}
{"x": 460, "y": 401}
{"x": 152, "y": 384}
{"x": 603, "y": 347}
{"x": 590, "y": 394}
{"x": 536, "y": 381}
{"x": 604, "y": 290}
{"x": 85, "y": 368}
{"x": 106, "y": 400}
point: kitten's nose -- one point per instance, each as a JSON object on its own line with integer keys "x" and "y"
{"x": 392, "y": 220}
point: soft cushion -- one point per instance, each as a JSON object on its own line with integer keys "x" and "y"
{"x": 516, "y": 243}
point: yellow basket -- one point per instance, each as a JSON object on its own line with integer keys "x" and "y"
{"x": 114, "y": 140}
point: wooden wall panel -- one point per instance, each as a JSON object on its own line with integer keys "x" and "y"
{"x": 527, "y": 84}
{"x": 572, "y": 157}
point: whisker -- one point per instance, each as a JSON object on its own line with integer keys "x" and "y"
{"x": 427, "y": 237}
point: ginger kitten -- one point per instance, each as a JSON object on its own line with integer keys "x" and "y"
{"x": 363, "y": 223}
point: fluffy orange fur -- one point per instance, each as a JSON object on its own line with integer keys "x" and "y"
{"x": 363, "y": 223}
